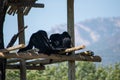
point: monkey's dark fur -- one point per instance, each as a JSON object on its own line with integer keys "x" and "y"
{"x": 48, "y": 46}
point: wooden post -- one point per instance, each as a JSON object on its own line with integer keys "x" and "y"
{"x": 21, "y": 41}
{"x": 70, "y": 28}
{"x": 21, "y": 26}
{"x": 22, "y": 69}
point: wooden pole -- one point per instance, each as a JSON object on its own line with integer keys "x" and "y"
{"x": 21, "y": 26}
{"x": 3, "y": 9}
{"x": 21, "y": 41}
{"x": 70, "y": 28}
{"x": 12, "y": 48}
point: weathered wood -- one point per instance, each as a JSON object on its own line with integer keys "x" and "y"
{"x": 44, "y": 61}
{"x": 21, "y": 41}
{"x": 22, "y": 69}
{"x": 34, "y": 61}
{"x": 12, "y": 48}
{"x": 13, "y": 60}
{"x": 72, "y": 49}
{"x": 3, "y": 9}
{"x": 52, "y": 56}
{"x": 27, "y": 9}
{"x": 27, "y": 4}
{"x": 28, "y": 67}
{"x": 21, "y": 26}
{"x": 65, "y": 51}
{"x": 70, "y": 28}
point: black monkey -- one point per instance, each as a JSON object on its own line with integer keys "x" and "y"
{"x": 40, "y": 41}
{"x": 66, "y": 40}
{"x": 56, "y": 40}
{"x": 56, "y": 43}
{"x": 61, "y": 41}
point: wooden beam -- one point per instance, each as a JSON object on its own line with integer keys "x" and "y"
{"x": 28, "y": 67}
{"x": 12, "y": 48}
{"x": 14, "y": 60}
{"x": 70, "y": 28}
{"x": 44, "y": 61}
{"x": 52, "y": 56}
{"x": 27, "y": 4}
{"x": 35, "y": 61}
{"x": 27, "y": 9}
{"x": 72, "y": 49}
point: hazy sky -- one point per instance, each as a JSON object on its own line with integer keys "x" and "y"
{"x": 54, "y": 13}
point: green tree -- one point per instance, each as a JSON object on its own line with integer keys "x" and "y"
{"x": 59, "y": 71}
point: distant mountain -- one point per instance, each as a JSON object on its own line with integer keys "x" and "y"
{"x": 102, "y": 35}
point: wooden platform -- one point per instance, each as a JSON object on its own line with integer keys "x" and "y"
{"x": 36, "y": 61}
{"x": 34, "y": 55}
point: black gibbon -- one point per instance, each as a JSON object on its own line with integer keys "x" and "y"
{"x": 61, "y": 40}
{"x": 40, "y": 40}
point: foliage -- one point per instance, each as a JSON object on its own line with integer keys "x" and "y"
{"x": 84, "y": 71}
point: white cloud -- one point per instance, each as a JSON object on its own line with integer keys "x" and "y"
{"x": 93, "y": 34}
{"x": 79, "y": 40}
{"x": 118, "y": 23}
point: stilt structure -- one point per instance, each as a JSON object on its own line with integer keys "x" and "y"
{"x": 21, "y": 8}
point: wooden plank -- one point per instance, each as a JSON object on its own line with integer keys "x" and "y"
{"x": 61, "y": 52}
{"x": 70, "y": 28}
{"x": 26, "y": 11}
{"x": 27, "y": 4}
{"x": 72, "y": 49}
{"x": 35, "y": 61}
{"x": 28, "y": 67}
{"x": 13, "y": 60}
{"x": 44, "y": 61}
{"x": 12, "y": 48}
{"x": 52, "y": 56}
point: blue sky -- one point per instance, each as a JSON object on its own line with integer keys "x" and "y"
{"x": 55, "y": 13}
